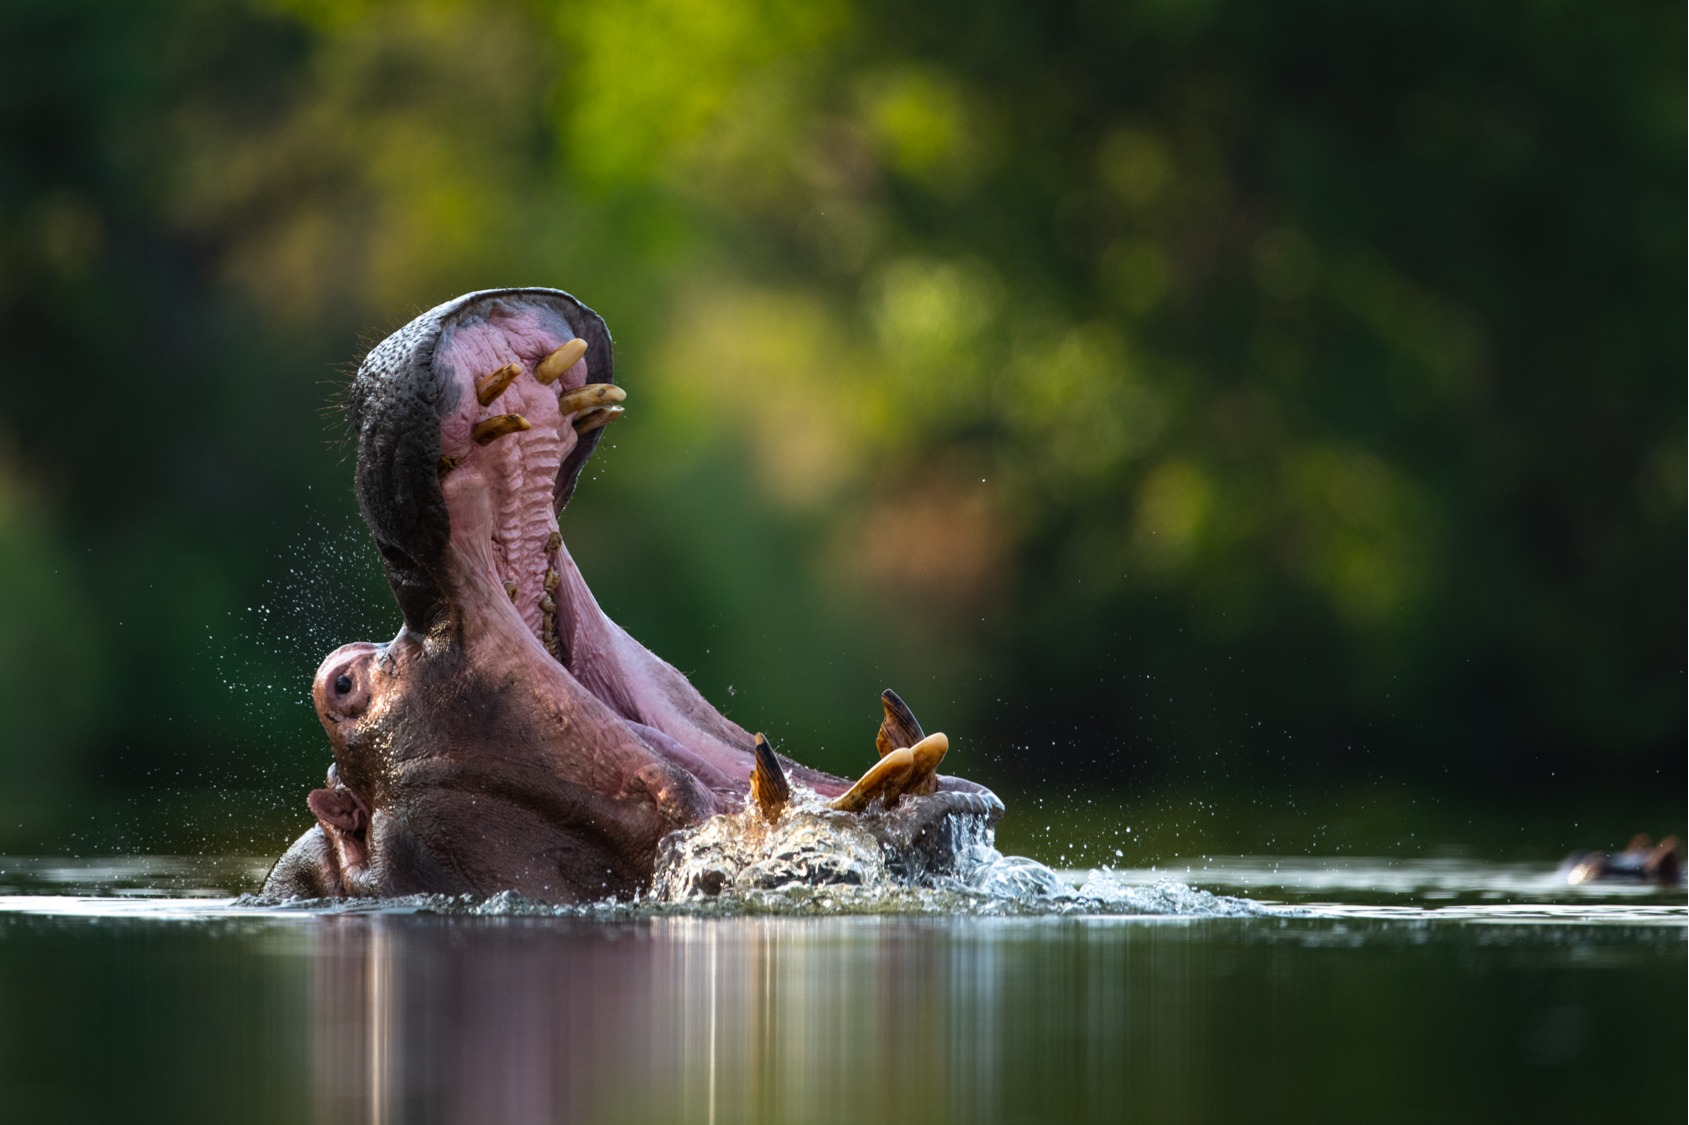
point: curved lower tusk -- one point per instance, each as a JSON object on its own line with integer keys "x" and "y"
{"x": 770, "y": 791}
{"x": 885, "y": 778}
{"x": 928, "y": 753}
{"x": 899, "y": 728}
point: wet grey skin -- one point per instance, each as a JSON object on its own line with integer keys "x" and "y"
{"x": 512, "y": 737}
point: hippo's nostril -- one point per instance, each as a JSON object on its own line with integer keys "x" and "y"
{"x": 342, "y": 684}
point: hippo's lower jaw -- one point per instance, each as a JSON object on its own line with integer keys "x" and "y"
{"x": 513, "y": 737}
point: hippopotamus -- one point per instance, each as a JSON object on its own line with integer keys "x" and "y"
{"x": 1642, "y": 861}
{"x": 512, "y": 737}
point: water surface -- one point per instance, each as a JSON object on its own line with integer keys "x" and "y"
{"x": 141, "y": 989}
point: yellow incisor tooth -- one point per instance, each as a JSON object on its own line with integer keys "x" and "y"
{"x": 770, "y": 791}
{"x": 551, "y": 368}
{"x": 596, "y": 419}
{"x": 884, "y": 779}
{"x": 899, "y": 728}
{"x": 511, "y": 588}
{"x": 489, "y": 387}
{"x": 491, "y": 429}
{"x": 589, "y": 396}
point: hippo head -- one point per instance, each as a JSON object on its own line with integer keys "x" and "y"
{"x": 513, "y": 737}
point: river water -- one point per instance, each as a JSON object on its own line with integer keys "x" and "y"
{"x": 1234, "y": 989}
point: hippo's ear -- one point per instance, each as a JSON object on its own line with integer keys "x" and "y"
{"x": 339, "y": 812}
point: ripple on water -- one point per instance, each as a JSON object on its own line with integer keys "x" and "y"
{"x": 983, "y": 883}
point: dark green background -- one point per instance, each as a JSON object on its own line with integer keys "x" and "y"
{"x": 1277, "y": 409}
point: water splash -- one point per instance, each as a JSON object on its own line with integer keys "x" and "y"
{"x": 814, "y": 860}
{"x": 329, "y": 592}
{"x": 817, "y": 862}
{"x": 738, "y": 853}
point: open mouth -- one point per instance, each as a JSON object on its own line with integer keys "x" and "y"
{"x": 511, "y": 724}
{"x": 531, "y": 398}
{"x": 525, "y": 387}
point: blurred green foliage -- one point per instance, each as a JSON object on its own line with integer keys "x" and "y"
{"x": 1187, "y": 393}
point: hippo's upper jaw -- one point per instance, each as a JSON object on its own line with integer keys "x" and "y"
{"x": 511, "y": 737}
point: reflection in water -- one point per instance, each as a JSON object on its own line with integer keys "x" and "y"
{"x": 1487, "y": 1006}
{"x": 943, "y": 1019}
{"x": 776, "y": 1019}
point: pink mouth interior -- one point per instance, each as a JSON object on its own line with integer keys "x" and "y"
{"x": 519, "y": 471}
{"x": 505, "y": 531}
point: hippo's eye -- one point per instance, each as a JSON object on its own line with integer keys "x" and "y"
{"x": 342, "y": 684}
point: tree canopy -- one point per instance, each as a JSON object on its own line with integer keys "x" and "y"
{"x": 1172, "y": 389}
